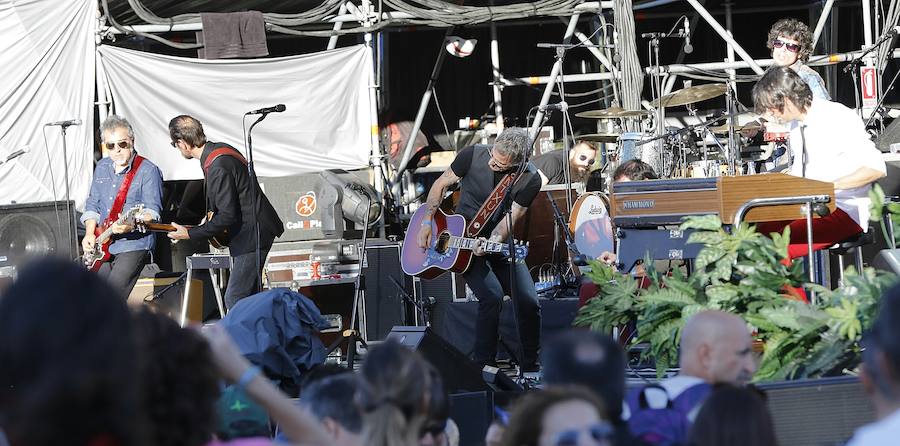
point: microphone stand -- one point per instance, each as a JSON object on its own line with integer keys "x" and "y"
{"x": 71, "y": 229}
{"x": 254, "y": 186}
{"x": 851, "y": 66}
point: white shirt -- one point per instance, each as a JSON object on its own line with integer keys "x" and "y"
{"x": 880, "y": 433}
{"x": 837, "y": 145}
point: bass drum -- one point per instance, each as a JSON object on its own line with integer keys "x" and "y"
{"x": 591, "y": 225}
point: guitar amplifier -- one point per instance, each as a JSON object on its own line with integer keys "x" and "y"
{"x": 164, "y": 294}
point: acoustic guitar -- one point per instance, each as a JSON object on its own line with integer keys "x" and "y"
{"x": 448, "y": 249}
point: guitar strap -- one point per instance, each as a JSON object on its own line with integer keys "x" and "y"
{"x": 119, "y": 202}
{"x": 219, "y": 150}
{"x": 490, "y": 205}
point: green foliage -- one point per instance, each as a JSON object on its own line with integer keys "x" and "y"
{"x": 745, "y": 273}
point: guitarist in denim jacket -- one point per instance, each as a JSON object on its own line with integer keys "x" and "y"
{"x": 130, "y": 250}
{"x": 478, "y": 169}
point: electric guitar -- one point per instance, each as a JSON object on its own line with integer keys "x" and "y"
{"x": 100, "y": 253}
{"x": 218, "y": 241}
{"x": 448, "y": 249}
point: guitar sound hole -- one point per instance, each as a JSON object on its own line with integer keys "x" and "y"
{"x": 441, "y": 245}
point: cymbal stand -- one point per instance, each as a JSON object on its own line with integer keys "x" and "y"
{"x": 733, "y": 153}
{"x": 656, "y": 89}
{"x": 693, "y": 112}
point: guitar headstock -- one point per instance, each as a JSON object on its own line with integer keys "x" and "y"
{"x": 520, "y": 248}
{"x": 130, "y": 216}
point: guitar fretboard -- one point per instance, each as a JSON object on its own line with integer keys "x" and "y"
{"x": 469, "y": 243}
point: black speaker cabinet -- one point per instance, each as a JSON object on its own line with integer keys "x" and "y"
{"x": 29, "y": 231}
{"x": 817, "y": 411}
{"x": 385, "y": 287}
{"x": 459, "y": 373}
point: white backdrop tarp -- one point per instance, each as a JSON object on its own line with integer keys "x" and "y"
{"x": 47, "y": 67}
{"x": 326, "y": 126}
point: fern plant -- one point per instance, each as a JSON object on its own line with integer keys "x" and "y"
{"x": 748, "y": 274}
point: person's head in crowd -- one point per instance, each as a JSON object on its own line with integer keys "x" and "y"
{"x": 781, "y": 95}
{"x": 331, "y": 400}
{"x": 790, "y": 41}
{"x": 559, "y": 416}
{"x": 880, "y": 371}
{"x": 716, "y": 347}
{"x": 319, "y": 372}
{"x": 733, "y": 416}
{"x": 433, "y": 433}
{"x": 393, "y": 395}
{"x": 589, "y": 359}
{"x": 581, "y": 157}
{"x": 634, "y": 170}
{"x": 67, "y": 359}
{"x": 179, "y": 382}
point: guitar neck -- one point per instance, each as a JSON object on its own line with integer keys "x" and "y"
{"x": 469, "y": 243}
{"x": 160, "y": 227}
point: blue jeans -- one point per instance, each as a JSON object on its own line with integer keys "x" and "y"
{"x": 244, "y": 278}
{"x": 488, "y": 277}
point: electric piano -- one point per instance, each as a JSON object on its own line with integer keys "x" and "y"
{"x": 641, "y": 210}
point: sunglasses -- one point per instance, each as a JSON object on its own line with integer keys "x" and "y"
{"x": 792, "y": 47}
{"x": 123, "y": 144}
{"x": 590, "y": 161}
{"x": 499, "y": 166}
{"x": 598, "y": 432}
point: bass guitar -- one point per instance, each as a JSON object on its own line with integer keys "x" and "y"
{"x": 218, "y": 241}
{"x": 448, "y": 248}
{"x": 94, "y": 258}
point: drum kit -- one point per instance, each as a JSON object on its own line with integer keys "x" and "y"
{"x": 697, "y": 150}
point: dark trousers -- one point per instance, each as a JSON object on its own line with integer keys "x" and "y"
{"x": 123, "y": 270}
{"x": 488, "y": 277}
{"x": 245, "y": 277}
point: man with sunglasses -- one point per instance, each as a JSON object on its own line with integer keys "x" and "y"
{"x": 828, "y": 142}
{"x": 230, "y": 195}
{"x": 551, "y": 165}
{"x": 478, "y": 169}
{"x": 791, "y": 43}
{"x": 129, "y": 250}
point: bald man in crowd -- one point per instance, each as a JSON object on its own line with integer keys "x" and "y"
{"x": 715, "y": 348}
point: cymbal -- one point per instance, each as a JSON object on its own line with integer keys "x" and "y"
{"x": 600, "y": 137}
{"x": 691, "y": 95}
{"x": 612, "y": 112}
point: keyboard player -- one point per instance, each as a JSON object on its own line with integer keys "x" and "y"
{"x": 828, "y": 142}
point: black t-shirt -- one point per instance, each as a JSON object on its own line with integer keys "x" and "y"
{"x": 552, "y": 164}
{"x": 478, "y": 181}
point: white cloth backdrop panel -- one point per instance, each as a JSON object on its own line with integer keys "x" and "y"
{"x": 326, "y": 124}
{"x": 47, "y": 67}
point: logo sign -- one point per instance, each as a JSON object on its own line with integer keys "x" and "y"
{"x": 868, "y": 86}
{"x": 306, "y": 204}
{"x": 639, "y": 204}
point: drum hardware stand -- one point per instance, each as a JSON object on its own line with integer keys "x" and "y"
{"x": 351, "y": 334}
{"x": 705, "y": 132}
{"x": 566, "y": 280}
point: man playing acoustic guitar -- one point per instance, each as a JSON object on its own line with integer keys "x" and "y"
{"x": 122, "y": 181}
{"x": 479, "y": 169}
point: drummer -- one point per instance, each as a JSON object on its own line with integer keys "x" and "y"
{"x": 551, "y": 165}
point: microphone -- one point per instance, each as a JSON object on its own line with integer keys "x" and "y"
{"x": 688, "y": 48}
{"x": 66, "y": 123}
{"x": 15, "y": 154}
{"x": 894, "y": 30}
{"x": 266, "y": 110}
{"x": 562, "y": 106}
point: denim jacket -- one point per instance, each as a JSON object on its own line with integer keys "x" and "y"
{"x": 146, "y": 189}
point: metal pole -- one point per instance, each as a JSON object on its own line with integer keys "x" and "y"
{"x": 423, "y": 105}
{"x": 497, "y": 85}
{"x": 332, "y": 41}
{"x": 724, "y": 34}
{"x": 551, "y": 83}
{"x": 820, "y": 24}
{"x": 867, "y": 23}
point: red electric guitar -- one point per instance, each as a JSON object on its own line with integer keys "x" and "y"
{"x": 100, "y": 254}
{"x": 449, "y": 249}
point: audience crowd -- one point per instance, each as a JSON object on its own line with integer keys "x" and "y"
{"x": 78, "y": 367}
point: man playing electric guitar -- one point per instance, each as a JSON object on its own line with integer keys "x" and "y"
{"x": 479, "y": 169}
{"x": 122, "y": 181}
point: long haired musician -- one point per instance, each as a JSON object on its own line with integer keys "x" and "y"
{"x": 827, "y": 142}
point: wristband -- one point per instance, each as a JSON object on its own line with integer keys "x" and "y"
{"x": 247, "y": 376}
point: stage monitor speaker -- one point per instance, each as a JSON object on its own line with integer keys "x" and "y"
{"x": 459, "y": 373}
{"x": 164, "y": 294}
{"x": 32, "y": 230}
{"x": 817, "y": 411}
